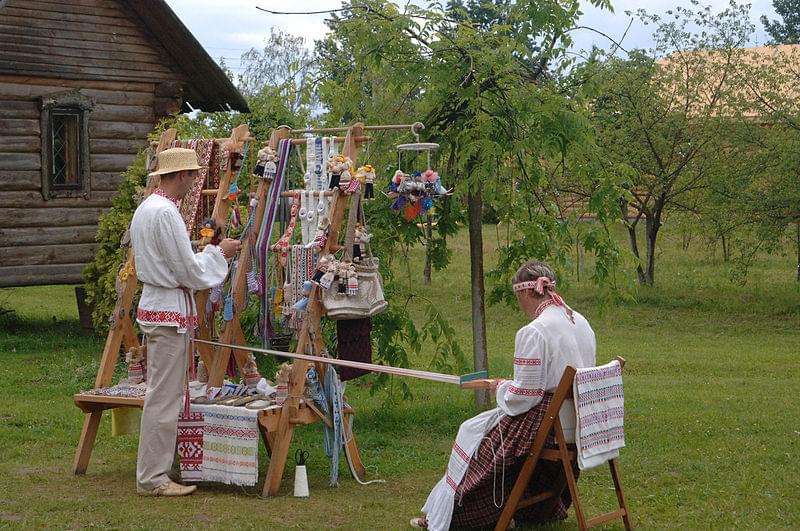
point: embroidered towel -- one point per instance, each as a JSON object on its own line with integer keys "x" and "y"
{"x": 599, "y": 408}
{"x": 190, "y": 443}
{"x": 230, "y": 445}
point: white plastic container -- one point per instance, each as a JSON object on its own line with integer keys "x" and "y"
{"x": 300, "y": 482}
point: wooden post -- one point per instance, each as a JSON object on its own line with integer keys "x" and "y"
{"x": 233, "y": 328}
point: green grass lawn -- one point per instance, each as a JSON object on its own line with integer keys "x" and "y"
{"x": 712, "y": 423}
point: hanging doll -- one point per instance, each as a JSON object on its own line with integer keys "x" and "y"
{"x": 209, "y": 234}
{"x": 342, "y": 274}
{"x": 302, "y": 303}
{"x": 352, "y": 280}
{"x": 346, "y": 181}
{"x": 270, "y": 169}
{"x": 335, "y": 168}
{"x": 361, "y": 238}
{"x": 322, "y": 268}
{"x": 430, "y": 177}
{"x": 366, "y": 177}
{"x": 395, "y": 190}
{"x": 321, "y": 236}
{"x": 327, "y": 278}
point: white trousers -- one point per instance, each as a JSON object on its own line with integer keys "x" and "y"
{"x": 166, "y": 387}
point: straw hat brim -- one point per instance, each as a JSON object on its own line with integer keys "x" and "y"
{"x": 173, "y": 170}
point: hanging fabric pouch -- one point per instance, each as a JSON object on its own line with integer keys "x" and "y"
{"x": 368, "y": 299}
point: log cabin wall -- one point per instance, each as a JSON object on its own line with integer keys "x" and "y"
{"x": 101, "y": 49}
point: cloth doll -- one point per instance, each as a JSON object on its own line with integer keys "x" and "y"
{"x": 361, "y": 238}
{"x": 352, "y": 280}
{"x": 209, "y": 234}
{"x": 335, "y": 168}
{"x": 270, "y": 168}
{"x": 251, "y": 374}
{"x": 137, "y": 364}
{"x": 346, "y": 181}
{"x": 366, "y": 175}
{"x": 342, "y": 273}
{"x": 322, "y": 268}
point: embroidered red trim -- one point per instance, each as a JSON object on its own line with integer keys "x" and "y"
{"x": 162, "y": 317}
{"x": 525, "y": 392}
{"x": 162, "y": 193}
{"x": 527, "y": 361}
{"x": 461, "y": 453}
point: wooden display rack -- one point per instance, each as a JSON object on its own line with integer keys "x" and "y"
{"x": 277, "y": 425}
{"x": 122, "y": 331}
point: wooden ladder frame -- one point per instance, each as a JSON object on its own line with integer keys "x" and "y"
{"x": 277, "y": 425}
{"x": 551, "y": 424}
{"x": 122, "y": 331}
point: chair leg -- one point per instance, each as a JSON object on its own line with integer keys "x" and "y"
{"x": 516, "y": 493}
{"x": 612, "y": 464}
{"x": 566, "y": 462}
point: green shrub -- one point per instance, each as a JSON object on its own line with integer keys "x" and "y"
{"x": 101, "y": 274}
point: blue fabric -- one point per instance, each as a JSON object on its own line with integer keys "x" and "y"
{"x": 330, "y": 401}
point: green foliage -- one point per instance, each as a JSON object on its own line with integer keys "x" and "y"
{"x": 100, "y": 275}
{"x": 482, "y": 76}
{"x": 787, "y": 30}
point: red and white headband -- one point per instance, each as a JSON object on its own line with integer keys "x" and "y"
{"x": 539, "y": 285}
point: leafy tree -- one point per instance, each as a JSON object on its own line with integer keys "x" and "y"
{"x": 661, "y": 116}
{"x": 480, "y": 74}
{"x": 786, "y": 31}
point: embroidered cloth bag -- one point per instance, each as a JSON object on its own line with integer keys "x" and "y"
{"x": 369, "y": 299}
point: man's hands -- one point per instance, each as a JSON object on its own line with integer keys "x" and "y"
{"x": 230, "y": 247}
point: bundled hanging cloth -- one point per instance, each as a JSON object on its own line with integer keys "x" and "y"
{"x": 600, "y": 409}
{"x": 353, "y": 343}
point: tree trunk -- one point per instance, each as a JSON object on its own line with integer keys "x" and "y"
{"x": 631, "y": 226}
{"x": 479, "y": 353}
{"x": 428, "y": 239}
{"x": 652, "y": 225}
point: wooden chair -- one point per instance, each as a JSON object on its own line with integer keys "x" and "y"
{"x": 567, "y": 457}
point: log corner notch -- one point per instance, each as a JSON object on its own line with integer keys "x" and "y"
{"x": 168, "y": 99}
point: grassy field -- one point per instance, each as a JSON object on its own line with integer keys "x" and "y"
{"x": 712, "y": 420}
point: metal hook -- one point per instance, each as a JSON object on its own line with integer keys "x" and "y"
{"x": 414, "y": 127}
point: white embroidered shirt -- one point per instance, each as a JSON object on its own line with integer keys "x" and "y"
{"x": 543, "y": 349}
{"x": 166, "y": 264}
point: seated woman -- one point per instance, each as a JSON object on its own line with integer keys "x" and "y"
{"x": 491, "y": 447}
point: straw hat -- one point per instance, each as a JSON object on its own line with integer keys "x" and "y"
{"x": 176, "y": 159}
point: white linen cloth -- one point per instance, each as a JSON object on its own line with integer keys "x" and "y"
{"x": 600, "y": 411}
{"x": 230, "y": 445}
{"x": 543, "y": 349}
{"x": 165, "y": 263}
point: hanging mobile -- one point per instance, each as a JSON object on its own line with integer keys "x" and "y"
{"x": 413, "y": 194}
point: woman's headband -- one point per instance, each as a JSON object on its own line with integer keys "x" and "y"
{"x": 539, "y": 285}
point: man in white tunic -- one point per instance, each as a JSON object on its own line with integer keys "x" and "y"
{"x": 499, "y": 439}
{"x": 170, "y": 272}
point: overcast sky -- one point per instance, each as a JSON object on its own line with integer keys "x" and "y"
{"x": 229, "y": 28}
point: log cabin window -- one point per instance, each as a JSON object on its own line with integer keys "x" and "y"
{"x": 65, "y": 145}
{"x": 65, "y": 152}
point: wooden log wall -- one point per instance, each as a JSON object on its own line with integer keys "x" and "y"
{"x": 47, "y": 46}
